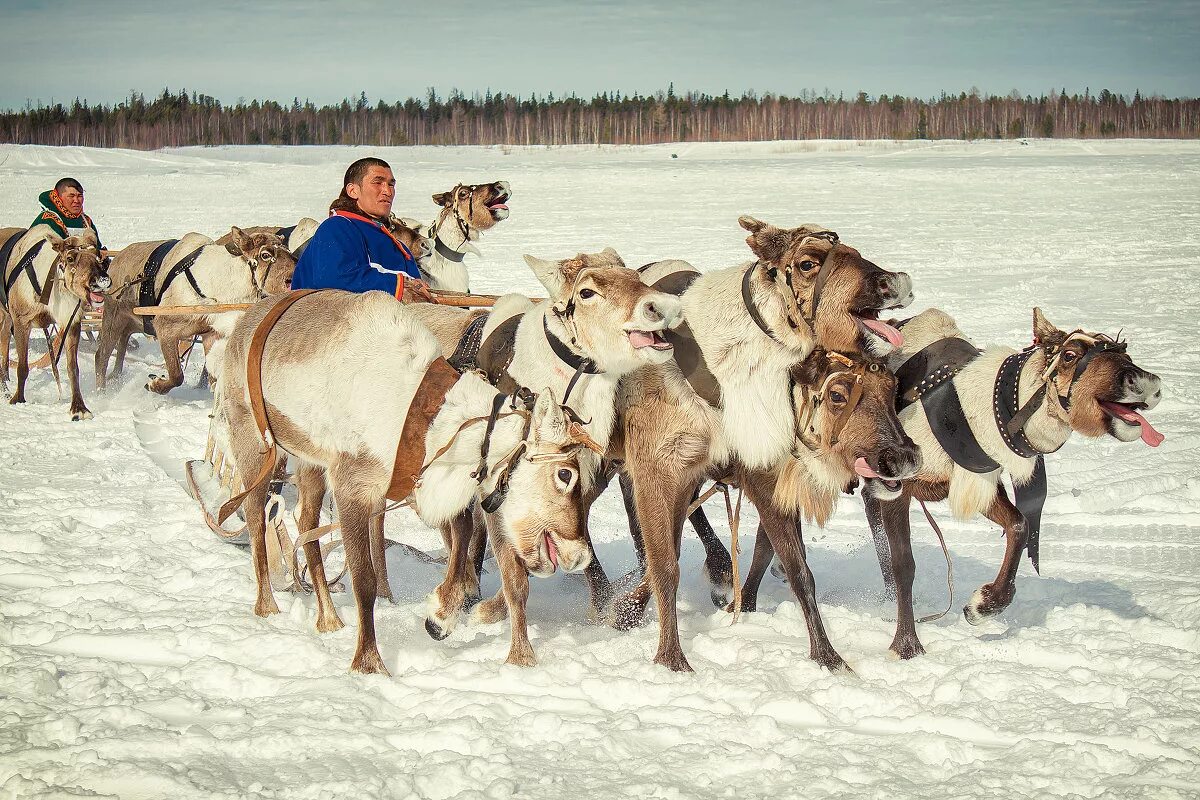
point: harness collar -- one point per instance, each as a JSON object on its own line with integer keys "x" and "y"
{"x": 812, "y": 402}
{"x": 447, "y": 252}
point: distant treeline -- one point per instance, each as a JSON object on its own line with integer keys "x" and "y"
{"x": 179, "y": 118}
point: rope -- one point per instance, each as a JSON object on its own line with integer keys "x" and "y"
{"x": 735, "y": 513}
{"x": 949, "y": 566}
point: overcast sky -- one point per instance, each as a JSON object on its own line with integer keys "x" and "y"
{"x": 101, "y": 49}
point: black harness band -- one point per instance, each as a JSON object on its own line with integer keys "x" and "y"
{"x": 6, "y": 250}
{"x": 582, "y": 366}
{"x": 932, "y": 366}
{"x": 184, "y": 267}
{"x": 25, "y": 265}
{"x": 1030, "y": 499}
{"x": 446, "y": 252}
{"x": 146, "y": 294}
{"x": 468, "y": 346}
{"x": 284, "y": 233}
{"x": 752, "y": 307}
{"x": 1011, "y": 417}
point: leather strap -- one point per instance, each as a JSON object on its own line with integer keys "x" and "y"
{"x": 182, "y": 267}
{"x": 1030, "y": 499}
{"x": 950, "y": 428}
{"x": 25, "y": 265}
{"x": 258, "y": 407}
{"x": 446, "y": 252}
{"x": 751, "y": 307}
{"x": 496, "y": 353}
{"x": 6, "y": 250}
{"x": 146, "y": 294}
{"x": 931, "y": 366}
{"x": 467, "y": 349}
{"x": 410, "y": 452}
{"x": 1011, "y": 420}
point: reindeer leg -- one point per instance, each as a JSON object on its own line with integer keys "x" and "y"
{"x": 379, "y": 559}
{"x": 249, "y": 459}
{"x": 122, "y": 351}
{"x": 515, "y": 586}
{"x": 787, "y": 539}
{"x": 355, "y": 517}
{"x": 310, "y": 481}
{"x": 883, "y": 552}
{"x": 662, "y": 504}
{"x": 600, "y": 590}
{"x": 894, "y": 518}
{"x": 718, "y": 564}
{"x": 5, "y": 336}
{"x": 994, "y": 597}
{"x": 21, "y": 342}
{"x": 78, "y": 409}
{"x": 169, "y": 344}
{"x": 449, "y": 598}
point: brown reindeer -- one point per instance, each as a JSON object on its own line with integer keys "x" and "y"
{"x": 752, "y": 324}
{"x": 247, "y": 269}
{"x": 1017, "y": 408}
{"x": 45, "y": 285}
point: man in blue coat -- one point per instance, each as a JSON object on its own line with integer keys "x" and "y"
{"x": 354, "y": 249}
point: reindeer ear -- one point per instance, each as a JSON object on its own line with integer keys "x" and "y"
{"x": 554, "y": 275}
{"x": 549, "y": 423}
{"x": 58, "y": 244}
{"x": 233, "y": 248}
{"x": 613, "y": 255}
{"x": 238, "y": 245}
{"x": 751, "y": 224}
{"x": 1043, "y": 331}
{"x": 442, "y": 199}
{"x": 766, "y": 241}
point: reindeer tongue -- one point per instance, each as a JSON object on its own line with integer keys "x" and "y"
{"x": 1126, "y": 414}
{"x": 863, "y": 468}
{"x": 893, "y": 335}
{"x": 551, "y": 550}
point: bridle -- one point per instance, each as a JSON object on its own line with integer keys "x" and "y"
{"x": 464, "y": 227}
{"x": 794, "y": 312}
{"x": 272, "y": 255}
{"x": 1012, "y": 420}
{"x": 812, "y": 401}
{"x": 565, "y": 312}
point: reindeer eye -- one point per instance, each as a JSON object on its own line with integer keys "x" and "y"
{"x": 1069, "y": 355}
{"x": 565, "y": 475}
{"x": 586, "y": 293}
{"x": 836, "y": 397}
{"x": 807, "y": 265}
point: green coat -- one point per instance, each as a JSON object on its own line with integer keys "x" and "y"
{"x": 54, "y": 215}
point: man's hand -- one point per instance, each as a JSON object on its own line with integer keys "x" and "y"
{"x": 417, "y": 291}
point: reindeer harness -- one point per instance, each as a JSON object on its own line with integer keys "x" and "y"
{"x": 795, "y": 312}
{"x": 812, "y": 401}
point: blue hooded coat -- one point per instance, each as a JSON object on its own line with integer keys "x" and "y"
{"x": 354, "y": 253}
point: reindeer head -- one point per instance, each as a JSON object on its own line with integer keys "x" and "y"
{"x": 420, "y": 247}
{"x": 605, "y": 312}
{"x": 1094, "y": 386}
{"x": 846, "y": 424}
{"x": 829, "y": 287}
{"x": 476, "y": 207}
{"x": 81, "y": 269}
{"x": 536, "y": 493}
{"x": 271, "y": 263}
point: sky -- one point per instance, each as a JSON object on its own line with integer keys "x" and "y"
{"x": 99, "y": 50}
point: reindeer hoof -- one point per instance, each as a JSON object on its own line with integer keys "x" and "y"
{"x": 435, "y": 630}
{"x": 748, "y": 606}
{"x": 906, "y": 647}
{"x": 676, "y": 662}
{"x": 983, "y": 605}
{"x": 327, "y": 625}
{"x": 265, "y": 608}
{"x": 369, "y": 664}
{"x": 522, "y": 658}
{"x": 830, "y": 660}
{"x": 16, "y": 398}
{"x": 628, "y": 613}
{"x": 76, "y": 416}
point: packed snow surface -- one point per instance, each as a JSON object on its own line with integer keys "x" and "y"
{"x": 131, "y": 665}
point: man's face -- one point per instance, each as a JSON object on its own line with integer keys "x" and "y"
{"x": 376, "y": 192}
{"x": 72, "y": 198}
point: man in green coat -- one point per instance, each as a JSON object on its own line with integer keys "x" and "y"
{"x": 62, "y": 211}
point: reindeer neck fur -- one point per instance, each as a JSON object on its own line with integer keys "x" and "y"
{"x": 809, "y": 483}
{"x": 751, "y": 367}
{"x": 447, "y": 486}
{"x": 442, "y": 273}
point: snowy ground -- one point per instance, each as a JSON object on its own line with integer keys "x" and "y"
{"x": 131, "y": 664}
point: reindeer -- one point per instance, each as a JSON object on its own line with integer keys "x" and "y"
{"x": 601, "y": 323}
{"x": 192, "y": 271}
{"x": 752, "y": 325}
{"x": 295, "y": 237}
{"x": 466, "y": 211}
{"x": 43, "y": 285}
{"x": 601, "y": 309}
{"x": 1014, "y": 408}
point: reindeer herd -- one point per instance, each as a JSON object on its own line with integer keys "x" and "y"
{"x": 501, "y": 427}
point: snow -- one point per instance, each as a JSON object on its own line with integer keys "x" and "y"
{"x": 131, "y": 665}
